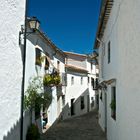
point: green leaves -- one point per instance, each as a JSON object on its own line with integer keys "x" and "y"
{"x": 35, "y": 95}
{"x": 47, "y": 80}
{"x": 51, "y": 79}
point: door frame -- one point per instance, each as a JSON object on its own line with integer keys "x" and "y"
{"x": 72, "y": 107}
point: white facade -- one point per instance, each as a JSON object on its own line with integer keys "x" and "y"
{"x": 123, "y": 32}
{"x": 47, "y": 48}
{"x": 79, "y": 73}
{"x": 12, "y": 15}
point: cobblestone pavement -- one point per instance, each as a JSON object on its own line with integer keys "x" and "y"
{"x": 84, "y": 127}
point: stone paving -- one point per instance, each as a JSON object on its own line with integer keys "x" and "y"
{"x": 84, "y": 127}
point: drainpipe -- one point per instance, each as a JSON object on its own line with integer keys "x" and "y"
{"x": 23, "y": 72}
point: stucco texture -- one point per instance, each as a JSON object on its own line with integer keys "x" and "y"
{"x": 11, "y": 18}
{"x": 123, "y": 32}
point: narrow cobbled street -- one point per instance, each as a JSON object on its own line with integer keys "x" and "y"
{"x": 84, "y": 127}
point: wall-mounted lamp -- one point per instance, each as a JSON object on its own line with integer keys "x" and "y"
{"x": 34, "y": 24}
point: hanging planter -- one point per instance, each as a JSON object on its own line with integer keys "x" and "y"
{"x": 51, "y": 80}
{"x": 47, "y": 80}
{"x": 56, "y": 79}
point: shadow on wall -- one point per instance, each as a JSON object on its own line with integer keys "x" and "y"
{"x": 22, "y": 50}
{"x": 59, "y": 118}
{"x": 14, "y": 131}
{"x": 78, "y": 106}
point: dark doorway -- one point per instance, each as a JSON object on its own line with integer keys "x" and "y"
{"x": 88, "y": 103}
{"x": 72, "y": 107}
{"x": 97, "y": 101}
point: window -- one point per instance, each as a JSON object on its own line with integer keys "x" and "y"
{"x": 37, "y": 57}
{"x": 64, "y": 78}
{"x": 96, "y": 83}
{"x": 81, "y": 80}
{"x": 58, "y": 65}
{"x": 91, "y": 65}
{"x": 108, "y": 52}
{"x": 92, "y": 103}
{"x": 72, "y": 80}
{"x": 101, "y": 96}
{"x": 92, "y": 83}
{"x": 113, "y": 102}
{"x": 88, "y": 80}
{"x": 82, "y": 102}
{"x": 46, "y": 64}
{"x": 63, "y": 100}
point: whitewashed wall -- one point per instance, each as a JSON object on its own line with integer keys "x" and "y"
{"x": 101, "y": 111}
{"x": 35, "y": 41}
{"x": 77, "y": 89}
{"x": 123, "y": 31}
{"x": 52, "y": 110}
{"x": 11, "y": 18}
{"x": 91, "y": 74}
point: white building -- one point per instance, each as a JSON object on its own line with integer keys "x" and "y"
{"x": 12, "y": 16}
{"x": 39, "y": 45}
{"x": 118, "y": 44}
{"x": 80, "y": 96}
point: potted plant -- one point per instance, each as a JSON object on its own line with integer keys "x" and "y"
{"x": 56, "y": 79}
{"x": 47, "y": 80}
{"x": 51, "y": 79}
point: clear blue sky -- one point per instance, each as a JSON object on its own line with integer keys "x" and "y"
{"x": 70, "y": 24}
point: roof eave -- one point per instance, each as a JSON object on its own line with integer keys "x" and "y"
{"x": 51, "y": 43}
{"x": 106, "y": 8}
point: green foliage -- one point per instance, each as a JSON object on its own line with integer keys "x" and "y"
{"x": 56, "y": 79}
{"x": 51, "y": 79}
{"x": 113, "y": 105}
{"x": 47, "y": 99}
{"x": 39, "y": 60}
{"x": 35, "y": 95}
{"x": 47, "y": 80}
{"x": 33, "y": 133}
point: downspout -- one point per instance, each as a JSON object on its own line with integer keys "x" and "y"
{"x": 23, "y": 72}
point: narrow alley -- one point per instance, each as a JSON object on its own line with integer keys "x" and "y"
{"x": 83, "y": 127}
